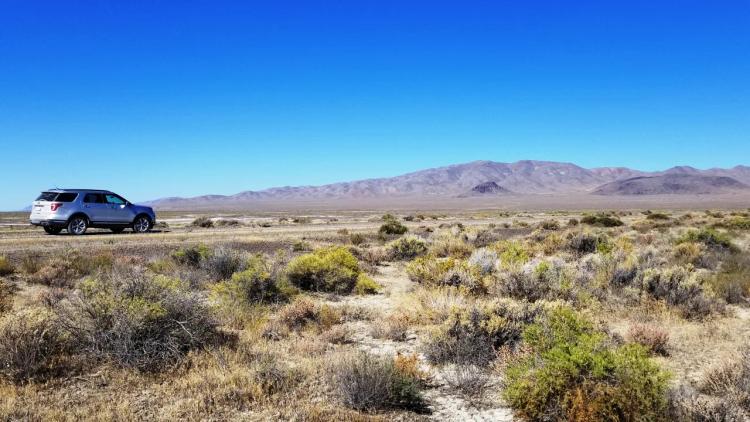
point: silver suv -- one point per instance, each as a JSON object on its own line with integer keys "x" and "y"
{"x": 78, "y": 209}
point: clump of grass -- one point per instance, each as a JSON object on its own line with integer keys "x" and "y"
{"x": 485, "y": 260}
{"x": 572, "y": 372}
{"x": 432, "y": 271}
{"x": 203, "y": 222}
{"x": 222, "y": 262}
{"x": 357, "y": 239}
{"x": 62, "y": 271}
{"x": 407, "y": 247}
{"x": 301, "y": 246}
{"x": 6, "y": 268}
{"x": 226, "y": 222}
{"x": 393, "y": 327}
{"x": 549, "y": 225}
{"x": 367, "y": 382}
{"x": 331, "y": 269}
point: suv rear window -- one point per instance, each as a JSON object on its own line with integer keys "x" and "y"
{"x": 47, "y": 196}
{"x": 58, "y": 197}
{"x": 66, "y": 197}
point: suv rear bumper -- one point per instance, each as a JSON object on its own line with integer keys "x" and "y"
{"x": 49, "y": 223}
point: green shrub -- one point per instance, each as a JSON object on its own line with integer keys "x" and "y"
{"x": 203, "y": 222}
{"x": 602, "y": 220}
{"x": 137, "y": 321}
{"x": 512, "y": 253}
{"x": 192, "y": 255}
{"x": 433, "y": 271}
{"x": 574, "y": 373}
{"x": 585, "y": 243}
{"x": 366, "y": 285}
{"x": 332, "y": 269}
{"x": 407, "y": 247}
{"x": 253, "y": 285}
{"x": 550, "y": 225}
{"x": 657, "y": 216}
{"x": 301, "y": 246}
{"x": 357, "y": 239}
{"x": 392, "y": 227}
{"x": 709, "y": 237}
{"x": 367, "y": 382}
{"x": 473, "y": 336}
{"x": 6, "y": 267}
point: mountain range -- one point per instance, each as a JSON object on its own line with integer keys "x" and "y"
{"x": 489, "y": 178}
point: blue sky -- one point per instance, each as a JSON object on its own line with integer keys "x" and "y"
{"x": 165, "y": 98}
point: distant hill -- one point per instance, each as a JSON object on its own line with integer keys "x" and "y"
{"x": 672, "y": 184}
{"x": 489, "y": 177}
{"x": 487, "y": 188}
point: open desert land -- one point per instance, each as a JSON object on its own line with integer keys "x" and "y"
{"x": 356, "y": 315}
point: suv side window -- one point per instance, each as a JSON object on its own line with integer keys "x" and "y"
{"x": 66, "y": 197}
{"x": 114, "y": 199}
{"x": 93, "y": 198}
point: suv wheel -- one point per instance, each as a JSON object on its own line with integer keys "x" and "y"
{"x": 141, "y": 224}
{"x": 52, "y": 230}
{"x": 77, "y": 225}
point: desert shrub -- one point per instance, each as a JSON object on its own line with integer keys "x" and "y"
{"x": 583, "y": 243}
{"x": 429, "y": 269}
{"x": 31, "y": 263}
{"x": 303, "y": 313}
{"x": 357, "y": 239}
{"x": 657, "y": 216}
{"x": 301, "y": 246}
{"x": 470, "y": 380}
{"x": 255, "y": 284}
{"x": 572, "y": 222}
{"x": 203, "y": 222}
{"x": 709, "y": 237}
{"x": 332, "y": 269}
{"x": 391, "y": 225}
{"x": 134, "y": 320}
{"x": 550, "y": 225}
{"x": 222, "y": 263}
{"x": 732, "y": 281}
{"x": 448, "y": 245}
{"x": 29, "y": 345}
{"x": 472, "y": 337}
{"x": 6, "y": 296}
{"x": 654, "y": 339}
{"x": 678, "y": 287}
{"x": 407, "y": 247}
{"x": 728, "y": 384}
{"x": 485, "y": 260}
{"x": 573, "y": 373}
{"x": 435, "y": 305}
{"x": 689, "y": 253}
{"x": 687, "y": 405}
{"x": 367, "y": 382}
{"x": 6, "y": 268}
{"x": 432, "y": 271}
{"x": 61, "y": 272}
{"x": 301, "y": 220}
{"x": 393, "y": 327}
{"x": 602, "y": 220}
{"x": 366, "y": 285}
{"x": 512, "y": 253}
{"x": 192, "y": 255}
{"x": 534, "y": 281}
{"x": 227, "y": 222}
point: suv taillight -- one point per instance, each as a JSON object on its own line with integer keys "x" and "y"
{"x": 54, "y": 206}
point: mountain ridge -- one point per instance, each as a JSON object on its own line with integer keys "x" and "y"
{"x": 525, "y": 177}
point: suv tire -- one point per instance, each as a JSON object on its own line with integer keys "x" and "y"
{"x": 52, "y": 230}
{"x": 77, "y": 225}
{"x": 141, "y": 224}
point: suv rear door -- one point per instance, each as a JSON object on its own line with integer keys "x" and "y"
{"x": 42, "y": 208}
{"x": 95, "y": 207}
